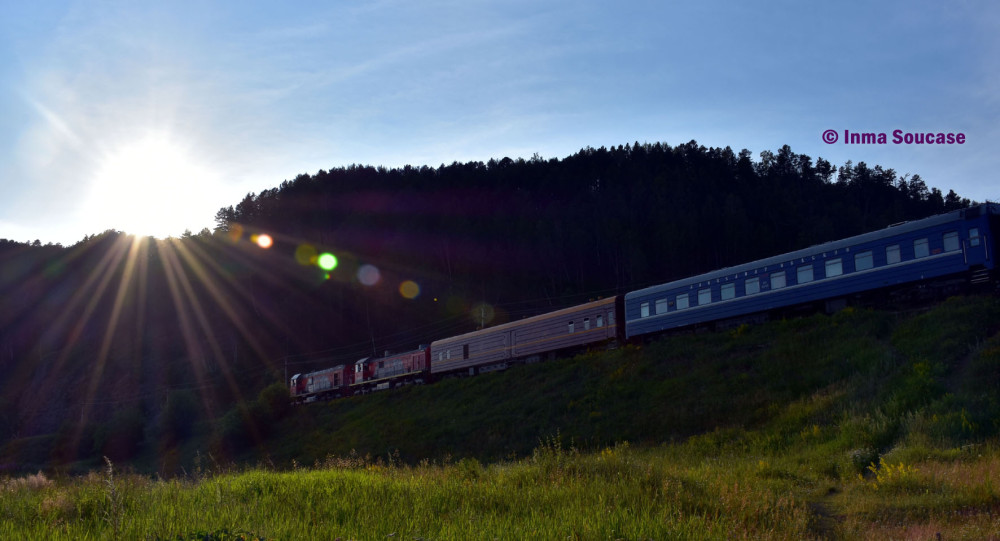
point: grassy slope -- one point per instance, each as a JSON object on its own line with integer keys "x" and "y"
{"x": 859, "y": 377}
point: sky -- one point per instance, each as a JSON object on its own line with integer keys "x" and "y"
{"x": 149, "y": 117}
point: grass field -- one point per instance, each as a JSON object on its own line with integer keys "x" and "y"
{"x": 860, "y": 425}
{"x": 670, "y": 492}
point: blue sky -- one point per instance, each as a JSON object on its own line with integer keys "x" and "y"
{"x": 113, "y": 110}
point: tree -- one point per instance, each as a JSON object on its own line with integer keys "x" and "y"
{"x": 225, "y": 217}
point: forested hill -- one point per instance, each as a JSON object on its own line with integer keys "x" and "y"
{"x": 601, "y": 220}
{"x": 104, "y": 342}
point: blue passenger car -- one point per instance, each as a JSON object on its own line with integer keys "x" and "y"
{"x": 959, "y": 244}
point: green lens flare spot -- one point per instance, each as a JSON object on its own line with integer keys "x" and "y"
{"x": 327, "y": 261}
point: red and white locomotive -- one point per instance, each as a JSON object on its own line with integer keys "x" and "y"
{"x": 484, "y": 350}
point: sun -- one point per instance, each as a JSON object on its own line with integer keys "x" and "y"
{"x": 152, "y": 186}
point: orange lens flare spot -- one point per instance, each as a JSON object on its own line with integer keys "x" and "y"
{"x": 235, "y": 232}
{"x": 409, "y": 289}
{"x": 327, "y": 261}
{"x": 305, "y": 254}
{"x": 263, "y": 240}
{"x": 369, "y": 275}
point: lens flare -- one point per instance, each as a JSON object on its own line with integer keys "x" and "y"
{"x": 327, "y": 261}
{"x": 305, "y": 254}
{"x": 369, "y": 275}
{"x": 235, "y": 232}
{"x": 409, "y": 289}
{"x": 482, "y": 313}
{"x": 263, "y": 240}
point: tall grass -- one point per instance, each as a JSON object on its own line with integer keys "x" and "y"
{"x": 558, "y": 493}
{"x": 619, "y": 492}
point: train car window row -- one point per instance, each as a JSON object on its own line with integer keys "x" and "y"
{"x": 804, "y": 274}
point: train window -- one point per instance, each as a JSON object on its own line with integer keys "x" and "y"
{"x": 661, "y": 306}
{"x": 704, "y": 297}
{"x": 805, "y": 274}
{"x": 863, "y": 261}
{"x": 682, "y": 301}
{"x": 834, "y": 267}
{"x": 447, "y": 354}
{"x": 440, "y": 356}
{"x": 951, "y": 241}
{"x": 920, "y": 248}
{"x": 600, "y": 321}
{"x": 465, "y": 351}
{"x": 778, "y": 280}
{"x": 728, "y": 291}
{"x": 892, "y": 254}
{"x": 611, "y": 317}
{"x": 570, "y": 327}
{"x": 644, "y": 309}
{"x": 586, "y": 323}
{"x": 752, "y": 285}
{"x": 974, "y": 236}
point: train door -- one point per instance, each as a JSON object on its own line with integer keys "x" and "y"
{"x": 978, "y": 248}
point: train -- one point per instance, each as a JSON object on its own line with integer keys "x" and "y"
{"x": 942, "y": 253}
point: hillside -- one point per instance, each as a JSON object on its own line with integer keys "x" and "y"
{"x": 858, "y": 379}
{"x": 858, "y": 383}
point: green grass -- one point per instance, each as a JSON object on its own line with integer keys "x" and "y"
{"x": 557, "y": 494}
{"x": 669, "y": 492}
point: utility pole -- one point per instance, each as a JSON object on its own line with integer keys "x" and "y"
{"x": 371, "y": 333}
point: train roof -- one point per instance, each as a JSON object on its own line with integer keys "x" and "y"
{"x": 532, "y": 319}
{"x": 331, "y": 369}
{"x": 896, "y": 229}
